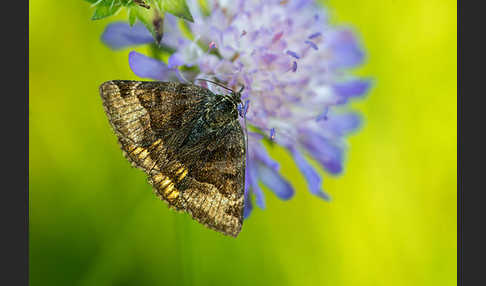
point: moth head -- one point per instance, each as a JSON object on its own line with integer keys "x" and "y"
{"x": 223, "y": 111}
{"x": 226, "y": 107}
{"x": 236, "y": 95}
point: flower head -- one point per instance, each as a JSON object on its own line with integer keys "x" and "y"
{"x": 294, "y": 67}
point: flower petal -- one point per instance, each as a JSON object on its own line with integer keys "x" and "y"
{"x": 248, "y": 207}
{"x": 119, "y": 35}
{"x": 189, "y": 54}
{"x": 299, "y": 4}
{"x": 323, "y": 115}
{"x": 345, "y": 49}
{"x": 313, "y": 179}
{"x": 256, "y": 136}
{"x": 175, "y": 60}
{"x": 352, "y": 88}
{"x": 172, "y": 34}
{"x": 327, "y": 153}
{"x": 147, "y": 67}
{"x": 342, "y": 124}
{"x": 253, "y": 182}
{"x": 275, "y": 182}
{"x": 260, "y": 154}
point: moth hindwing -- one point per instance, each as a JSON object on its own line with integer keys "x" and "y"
{"x": 188, "y": 141}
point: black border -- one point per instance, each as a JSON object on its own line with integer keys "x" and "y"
{"x": 471, "y": 155}
{"x": 14, "y": 101}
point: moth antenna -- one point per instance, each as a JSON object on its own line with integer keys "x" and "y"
{"x": 181, "y": 75}
{"x": 216, "y": 84}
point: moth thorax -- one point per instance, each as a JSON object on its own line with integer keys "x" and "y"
{"x": 222, "y": 111}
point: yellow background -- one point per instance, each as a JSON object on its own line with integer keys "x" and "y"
{"x": 95, "y": 221}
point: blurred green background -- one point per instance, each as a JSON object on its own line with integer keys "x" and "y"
{"x": 95, "y": 221}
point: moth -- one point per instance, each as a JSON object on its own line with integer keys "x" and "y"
{"x": 188, "y": 141}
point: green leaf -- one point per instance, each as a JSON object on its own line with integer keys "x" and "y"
{"x": 177, "y": 8}
{"x": 185, "y": 30}
{"x": 132, "y": 16}
{"x": 104, "y": 10}
{"x": 153, "y": 19}
{"x": 149, "y": 12}
{"x": 141, "y": 3}
{"x": 203, "y": 4}
{"x": 161, "y": 52}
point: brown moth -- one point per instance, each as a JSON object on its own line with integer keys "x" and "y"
{"x": 188, "y": 141}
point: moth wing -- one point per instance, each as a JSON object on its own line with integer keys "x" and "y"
{"x": 215, "y": 194}
{"x": 148, "y": 117}
{"x": 151, "y": 120}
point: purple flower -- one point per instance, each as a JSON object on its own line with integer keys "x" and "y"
{"x": 295, "y": 69}
{"x": 144, "y": 66}
{"x": 119, "y": 35}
